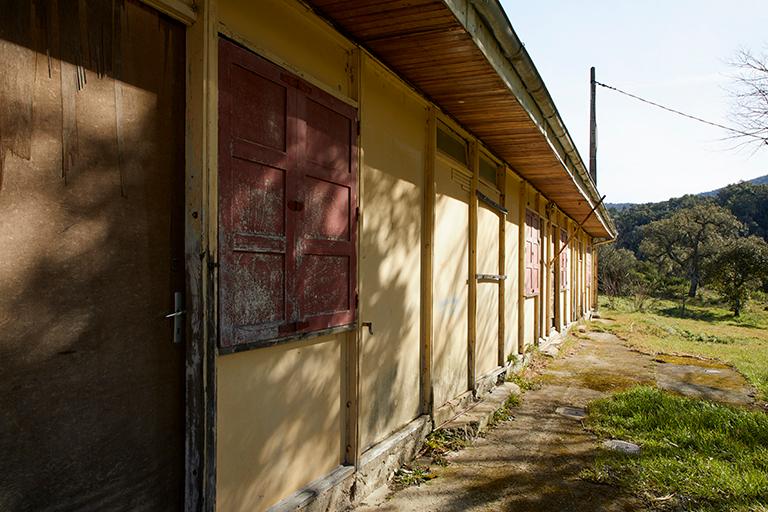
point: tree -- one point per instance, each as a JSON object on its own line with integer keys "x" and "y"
{"x": 739, "y": 270}
{"x": 616, "y": 270}
{"x": 750, "y": 97}
{"x": 688, "y": 238}
{"x": 749, "y": 203}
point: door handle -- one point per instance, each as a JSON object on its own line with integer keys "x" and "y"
{"x": 369, "y": 325}
{"x": 178, "y": 317}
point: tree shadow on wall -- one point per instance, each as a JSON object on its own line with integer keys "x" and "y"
{"x": 93, "y": 416}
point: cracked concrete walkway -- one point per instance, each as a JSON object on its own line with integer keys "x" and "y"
{"x": 531, "y": 463}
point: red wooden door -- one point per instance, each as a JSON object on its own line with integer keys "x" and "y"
{"x": 287, "y": 199}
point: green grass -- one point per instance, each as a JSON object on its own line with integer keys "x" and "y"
{"x": 705, "y": 329}
{"x": 504, "y": 413}
{"x": 410, "y": 475}
{"x": 695, "y": 455}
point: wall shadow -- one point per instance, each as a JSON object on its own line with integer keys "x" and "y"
{"x": 92, "y": 252}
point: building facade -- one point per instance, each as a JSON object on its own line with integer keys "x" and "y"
{"x": 253, "y": 252}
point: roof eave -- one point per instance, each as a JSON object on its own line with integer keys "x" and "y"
{"x": 487, "y": 23}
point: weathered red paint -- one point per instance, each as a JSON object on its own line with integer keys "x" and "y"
{"x": 288, "y": 197}
{"x": 532, "y": 252}
{"x": 563, "y": 259}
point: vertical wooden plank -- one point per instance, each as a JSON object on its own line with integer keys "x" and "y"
{"x": 351, "y": 352}
{"x": 523, "y": 202}
{"x": 547, "y": 269}
{"x": 200, "y": 219}
{"x": 537, "y": 299}
{"x": 501, "y": 181}
{"x": 427, "y": 264}
{"x": 474, "y": 162}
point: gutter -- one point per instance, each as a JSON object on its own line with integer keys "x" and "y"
{"x": 494, "y": 17}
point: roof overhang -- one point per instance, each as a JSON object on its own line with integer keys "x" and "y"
{"x": 465, "y": 57}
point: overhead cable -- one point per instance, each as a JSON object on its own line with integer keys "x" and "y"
{"x": 689, "y": 116}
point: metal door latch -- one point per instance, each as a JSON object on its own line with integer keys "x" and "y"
{"x": 178, "y": 317}
{"x": 369, "y": 325}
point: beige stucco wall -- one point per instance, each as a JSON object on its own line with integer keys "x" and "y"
{"x": 449, "y": 358}
{"x": 393, "y": 133}
{"x": 279, "y": 416}
{"x": 279, "y": 421}
{"x": 487, "y": 341}
{"x": 288, "y": 32}
{"x": 511, "y": 253}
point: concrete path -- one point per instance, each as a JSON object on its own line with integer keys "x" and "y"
{"x": 531, "y": 463}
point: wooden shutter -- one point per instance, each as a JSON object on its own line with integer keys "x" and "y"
{"x": 287, "y": 203}
{"x": 532, "y": 252}
{"x": 326, "y": 235}
{"x": 257, "y": 137}
{"x": 564, "y": 259}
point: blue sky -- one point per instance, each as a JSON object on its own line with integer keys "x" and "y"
{"x": 675, "y": 52}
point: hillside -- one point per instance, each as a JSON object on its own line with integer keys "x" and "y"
{"x": 761, "y": 180}
{"x": 748, "y": 201}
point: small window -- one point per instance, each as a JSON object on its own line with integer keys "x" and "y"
{"x": 488, "y": 170}
{"x": 453, "y": 145}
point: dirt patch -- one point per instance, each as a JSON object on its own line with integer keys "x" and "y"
{"x": 533, "y": 461}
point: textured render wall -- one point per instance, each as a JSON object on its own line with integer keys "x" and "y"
{"x": 487, "y": 292}
{"x": 449, "y": 372}
{"x": 393, "y": 142}
{"x": 280, "y": 421}
{"x": 288, "y": 31}
{"x": 512, "y": 251}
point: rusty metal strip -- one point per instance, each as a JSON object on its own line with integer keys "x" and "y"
{"x": 493, "y": 204}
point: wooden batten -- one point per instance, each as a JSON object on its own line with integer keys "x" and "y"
{"x": 501, "y": 180}
{"x": 427, "y": 264}
{"x": 200, "y": 257}
{"x": 521, "y": 267}
{"x": 537, "y": 299}
{"x": 546, "y": 268}
{"x": 474, "y": 162}
{"x": 351, "y": 447}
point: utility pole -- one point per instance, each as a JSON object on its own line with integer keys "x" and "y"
{"x": 592, "y": 127}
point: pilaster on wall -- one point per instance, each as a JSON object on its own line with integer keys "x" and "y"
{"x": 474, "y": 162}
{"x": 523, "y": 201}
{"x": 427, "y": 264}
{"x": 200, "y": 258}
{"x": 501, "y": 180}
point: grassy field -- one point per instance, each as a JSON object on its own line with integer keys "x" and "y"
{"x": 704, "y": 329}
{"x": 695, "y": 455}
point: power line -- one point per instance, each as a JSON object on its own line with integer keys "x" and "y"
{"x": 689, "y": 116}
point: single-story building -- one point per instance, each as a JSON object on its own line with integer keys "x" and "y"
{"x": 254, "y": 252}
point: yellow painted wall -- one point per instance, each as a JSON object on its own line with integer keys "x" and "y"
{"x": 487, "y": 341}
{"x": 449, "y": 359}
{"x": 511, "y": 283}
{"x": 529, "y": 320}
{"x": 279, "y": 421}
{"x": 279, "y": 418}
{"x": 393, "y": 142}
{"x": 292, "y": 34}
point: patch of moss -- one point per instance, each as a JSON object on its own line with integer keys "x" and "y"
{"x": 605, "y": 381}
{"x": 690, "y": 361}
